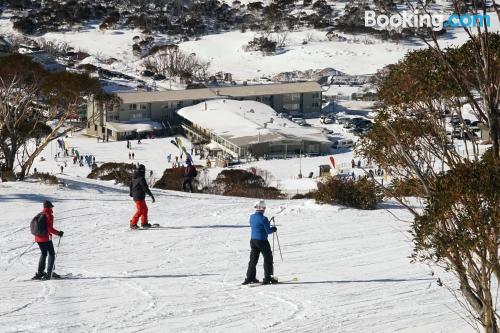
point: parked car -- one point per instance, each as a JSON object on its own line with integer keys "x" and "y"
{"x": 158, "y": 77}
{"x": 343, "y": 143}
{"x": 352, "y": 122}
{"x": 342, "y": 120}
{"x": 299, "y": 121}
{"x": 325, "y": 120}
{"x": 147, "y": 73}
{"x": 457, "y": 134}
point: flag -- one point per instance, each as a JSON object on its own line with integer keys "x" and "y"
{"x": 332, "y": 160}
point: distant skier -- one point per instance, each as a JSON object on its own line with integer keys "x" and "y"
{"x": 259, "y": 244}
{"x": 44, "y": 242}
{"x": 138, "y": 190}
{"x": 133, "y": 155}
{"x": 62, "y": 169}
{"x": 189, "y": 173}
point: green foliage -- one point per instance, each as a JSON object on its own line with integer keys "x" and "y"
{"x": 462, "y": 214}
{"x": 308, "y": 195}
{"x": 263, "y": 44}
{"x": 362, "y": 194}
{"x": 7, "y": 176}
{"x": 242, "y": 183}
{"x": 46, "y": 178}
{"x": 121, "y": 173}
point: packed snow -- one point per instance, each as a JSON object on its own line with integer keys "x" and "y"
{"x": 345, "y": 270}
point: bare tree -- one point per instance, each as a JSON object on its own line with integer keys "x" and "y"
{"x": 170, "y": 60}
{"x": 35, "y": 108}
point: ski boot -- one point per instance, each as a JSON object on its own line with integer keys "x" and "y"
{"x": 270, "y": 281}
{"x": 53, "y": 276}
{"x": 39, "y": 276}
{"x": 146, "y": 226}
{"x": 250, "y": 281}
{"x": 134, "y": 226}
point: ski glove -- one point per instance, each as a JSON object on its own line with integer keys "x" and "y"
{"x": 61, "y": 233}
{"x": 274, "y": 229}
{"x": 153, "y": 198}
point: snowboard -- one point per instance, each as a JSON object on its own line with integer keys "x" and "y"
{"x": 153, "y": 226}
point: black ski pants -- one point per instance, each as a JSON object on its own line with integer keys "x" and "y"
{"x": 257, "y": 247}
{"x": 187, "y": 182}
{"x": 46, "y": 248}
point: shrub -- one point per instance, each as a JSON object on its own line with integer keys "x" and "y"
{"x": 7, "y": 176}
{"x": 46, "y": 178}
{"x": 308, "y": 195}
{"x": 241, "y": 183}
{"x": 172, "y": 180}
{"x": 25, "y": 25}
{"x": 121, "y": 173}
{"x": 362, "y": 194}
{"x": 263, "y": 44}
{"x": 406, "y": 188}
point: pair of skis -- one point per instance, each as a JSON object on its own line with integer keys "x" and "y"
{"x": 260, "y": 284}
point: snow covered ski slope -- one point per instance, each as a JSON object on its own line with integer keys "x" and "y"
{"x": 352, "y": 270}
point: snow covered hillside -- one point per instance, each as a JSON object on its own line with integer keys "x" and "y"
{"x": 351, "y": 267}
{"x": 354, "y": 55}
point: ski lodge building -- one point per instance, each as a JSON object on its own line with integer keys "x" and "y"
{"x": 142, "y": 112}
{"x": 249, "y": 128}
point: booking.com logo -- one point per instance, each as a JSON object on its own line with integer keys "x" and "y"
{"x": 416, "y": 20}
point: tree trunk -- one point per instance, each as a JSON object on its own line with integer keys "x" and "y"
{"x": 495, "y": 133}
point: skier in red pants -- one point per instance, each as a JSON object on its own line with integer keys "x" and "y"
{"x": 138, "y": 190}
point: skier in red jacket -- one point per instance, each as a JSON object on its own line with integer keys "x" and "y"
{"x": 46, "y": 246}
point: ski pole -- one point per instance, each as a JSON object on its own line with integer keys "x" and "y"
{"x": 55, "y": 256}
{"x": 273, "y": 244}
{"x": 25, "y": 251}
{"x": 277, "y": 239}
{"x": 279, "y": 247}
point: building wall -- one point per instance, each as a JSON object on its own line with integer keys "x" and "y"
{"x": 295, "y": 104}
{"x": 311, "y": 102}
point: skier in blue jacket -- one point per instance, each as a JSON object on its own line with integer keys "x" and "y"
{"x": 259, "y": 244}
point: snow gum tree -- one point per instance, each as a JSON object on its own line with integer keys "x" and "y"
{"x": 457, "y": 222}
{"x": 35, "y": 108}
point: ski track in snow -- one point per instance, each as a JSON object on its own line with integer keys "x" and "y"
{"x": 352, "y": 268}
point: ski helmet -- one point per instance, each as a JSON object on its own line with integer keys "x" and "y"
{"x": 142, "y": 168}
{"x": 260, "y": 205}
{"x": 47, "y": 204}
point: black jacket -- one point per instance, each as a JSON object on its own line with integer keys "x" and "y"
{"x": 189, "y": 171}
{"x": 139, "y": 187}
